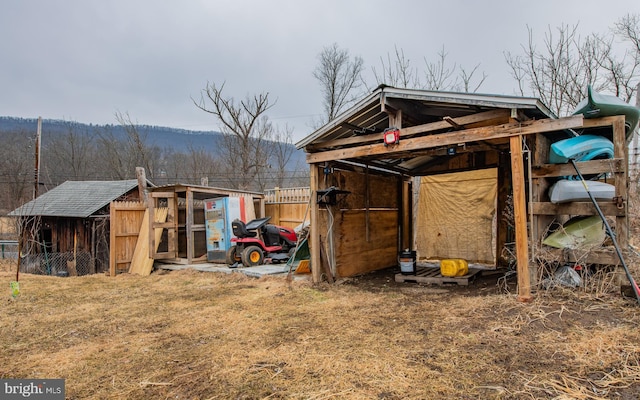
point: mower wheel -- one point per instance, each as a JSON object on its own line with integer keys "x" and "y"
{"x": 233, "y": 256}
{"x": 252, "y": 256}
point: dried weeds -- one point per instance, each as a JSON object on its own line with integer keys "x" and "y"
{"x": 201, "y": 335}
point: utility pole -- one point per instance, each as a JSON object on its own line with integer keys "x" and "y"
{"x": 37, "y": 167}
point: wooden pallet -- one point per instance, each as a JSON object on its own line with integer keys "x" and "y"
{"x": 433, "y": 275}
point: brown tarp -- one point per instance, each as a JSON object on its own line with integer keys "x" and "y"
{"x": 455, "y": 217}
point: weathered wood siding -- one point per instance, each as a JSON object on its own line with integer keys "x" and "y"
{"x": 365, "y": 223}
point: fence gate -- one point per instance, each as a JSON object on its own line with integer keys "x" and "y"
{"x": 126, "y": 222}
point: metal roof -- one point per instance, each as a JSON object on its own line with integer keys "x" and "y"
{"x": 419, "y": 107}
{"x": 78, "y": 199}
{"x": 362, "y": 124}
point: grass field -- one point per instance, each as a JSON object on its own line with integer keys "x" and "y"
{"x": 198, "y": 335}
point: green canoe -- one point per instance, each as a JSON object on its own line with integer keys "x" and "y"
{"x": 578, "y": 232}
{"x": 602, "y": 105}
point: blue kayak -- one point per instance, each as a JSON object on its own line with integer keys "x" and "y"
{"x": 581, "y": 148}
{"x": 602, "y": 105}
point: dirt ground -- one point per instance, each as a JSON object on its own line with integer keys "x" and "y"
{"x": 203, "y": 335}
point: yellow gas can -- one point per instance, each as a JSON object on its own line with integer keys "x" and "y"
{"x": 454, "y": 267}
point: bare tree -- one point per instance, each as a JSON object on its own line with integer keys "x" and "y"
{"x": 200, "y": 164}
{"x": 282, "y": 150}
{"x": 120, "y": 155}
{"x": 245, "y": 132}
{"x": 16, "y": 166}
{"x": 398, "y": 72}
{"x": 628, "y": 28}
{"x": 137, "y": 149}
{"x": 339, "y": 77}
{"x": 561, "y": 71}
{"x": 437, "y": 75}
{"x": 71, "y": 155}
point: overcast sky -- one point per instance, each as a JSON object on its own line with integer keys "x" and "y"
{"x": 85, "y": 60}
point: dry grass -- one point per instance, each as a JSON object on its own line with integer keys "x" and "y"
{"x": 193, "y": 335}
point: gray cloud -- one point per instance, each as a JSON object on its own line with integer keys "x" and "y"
{"x": 86, "y": 59}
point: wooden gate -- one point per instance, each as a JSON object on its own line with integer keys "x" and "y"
{"x": 126, "y": 221}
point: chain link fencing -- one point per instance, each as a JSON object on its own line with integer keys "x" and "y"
{"x": 58, "y": 264}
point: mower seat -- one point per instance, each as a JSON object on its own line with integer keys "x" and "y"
{"x": 240, "y": 229}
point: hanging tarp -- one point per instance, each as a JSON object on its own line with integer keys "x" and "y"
{"x": 455, "y": 216}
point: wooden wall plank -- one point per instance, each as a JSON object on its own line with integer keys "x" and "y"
{"x": 356, "y": 255}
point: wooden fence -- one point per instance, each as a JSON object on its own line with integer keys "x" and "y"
{"x": 126, "y": 222}
{"x": 287, "y": 207}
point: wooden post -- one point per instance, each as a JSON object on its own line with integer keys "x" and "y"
{"x": 142, "y": 184}
{"x": 112, "y": 240}
{"x": 314, "y": 231}
{"x": 37, "y": 166}
{"x": 501, "y": 202}
{"x": 520, "y": 218}
{"x": 189, "y": 226}
{"x": 621, "y": 181}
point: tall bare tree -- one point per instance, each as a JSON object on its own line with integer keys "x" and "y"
{"x": 71, "y": 155}
{"x": 16, "y": 169}
{"x": 559, "y": 73}
{"x": 120, "y": 155}
{"x": 245, "y": 133}
{"x": 439, "y": 74}
{"x": 282, "y": 151}
{"x": 397, "y": 72}
{"x": 340, "y": 77}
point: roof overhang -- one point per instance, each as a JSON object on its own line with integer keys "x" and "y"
{"x": 421, "y": 113}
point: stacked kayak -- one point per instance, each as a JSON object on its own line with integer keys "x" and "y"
{"x": 602, "y": 105}
{"x": 565, "y": 190}
{"x": 581, "y": 148}
{"x": 578, "y": 232}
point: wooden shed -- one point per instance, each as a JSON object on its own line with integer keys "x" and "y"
{"x": 364, "y": 162}
{"x": 70, "y": 223}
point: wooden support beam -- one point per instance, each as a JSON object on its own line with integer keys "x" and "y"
{"x": 520, "y": 219}
{"x": 474, "y": 119}
{"x": 314, "y": 232}
{"x": 576, "y": 208}
{"x": 621, "y": 180}
{"x": 501, "y": 203}
{"x": 613, "y": 165}
{"x": 448, "y": 139}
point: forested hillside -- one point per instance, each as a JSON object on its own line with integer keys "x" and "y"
{"x": 75, "y": 151}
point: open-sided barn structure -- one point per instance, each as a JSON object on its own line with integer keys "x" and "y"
{"x": 363, "y": 165}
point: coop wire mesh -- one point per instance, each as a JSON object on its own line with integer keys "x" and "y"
{"x": 58, "y": 264}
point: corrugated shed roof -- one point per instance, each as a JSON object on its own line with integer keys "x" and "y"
{"x": 425, "y": 105}
{"x": 75, "y": 198}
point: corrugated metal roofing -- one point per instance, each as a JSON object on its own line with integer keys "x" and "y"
{"x": 362, "y": 125}
{"x": 75, "y": 198}
{"x": 422, "y": 105}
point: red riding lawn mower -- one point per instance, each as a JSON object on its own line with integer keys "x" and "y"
{"x": 257, "y": 241}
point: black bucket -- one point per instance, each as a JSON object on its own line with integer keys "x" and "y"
{"x": 407, "y": 261}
